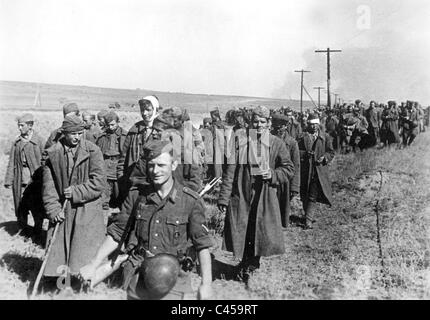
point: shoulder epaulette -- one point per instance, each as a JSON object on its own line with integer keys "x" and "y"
{"x": 190, "y": 192}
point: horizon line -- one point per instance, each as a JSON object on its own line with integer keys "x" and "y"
{"x": 151, "y": 90}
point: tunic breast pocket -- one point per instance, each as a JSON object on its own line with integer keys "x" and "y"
{"x": 176, "y": 228}
{"x": 142, "y": 225}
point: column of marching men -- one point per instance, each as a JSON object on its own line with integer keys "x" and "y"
{"x": 137, "y": 192}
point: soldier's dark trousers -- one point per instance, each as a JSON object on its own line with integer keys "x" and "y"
{"x": 408, "y": 138}
{"x": 113, "y": 193}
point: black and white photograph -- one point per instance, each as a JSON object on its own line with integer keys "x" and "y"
{"x": 224, "y": 150}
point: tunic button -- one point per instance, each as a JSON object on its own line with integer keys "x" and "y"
{"x": 156, "y": 234}
{"x": 157, "y": 221}
{"x": 177, "y": 221}
{"x": 155, "y": 248}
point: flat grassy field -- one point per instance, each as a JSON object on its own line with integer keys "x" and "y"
{"x": 373, "y": 243}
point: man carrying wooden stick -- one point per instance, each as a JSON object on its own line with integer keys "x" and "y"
{"x": 75, "y": 171}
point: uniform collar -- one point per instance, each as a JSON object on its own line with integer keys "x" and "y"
{"x": 172, "y": 196}
{"x": 31, "y": 138}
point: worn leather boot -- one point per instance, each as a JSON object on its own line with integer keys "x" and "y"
{"x": 309, "y": 215}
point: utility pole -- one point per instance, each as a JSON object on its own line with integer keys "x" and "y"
{"x": 301, "y": 89}
{"x": 319, "y": 91}
{"x": 328, "y": 72}
{"x": 335, "y": 97}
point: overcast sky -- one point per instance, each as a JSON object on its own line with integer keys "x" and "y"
{"x": 221, "y": 47}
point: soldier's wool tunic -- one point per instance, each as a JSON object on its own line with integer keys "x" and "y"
{"x": 159, "y": 226}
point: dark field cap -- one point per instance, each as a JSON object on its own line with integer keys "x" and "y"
{"x": 26, "y": 117}
{"x": 279, "y": 118}
{"x": 72, "y": 123}
{"x": 162, "y": 122}
{"x": 70, "y": 107}
{"x": 262, "y": 111}
{"x": 86, "y": 114}
{"x": 154, "y": 148}
{"x": 110, "y": 116}
{"x": 102, "y": 113}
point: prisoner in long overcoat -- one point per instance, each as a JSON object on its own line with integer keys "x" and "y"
{"x": 246, "y": 195}
{"x": 32, "y": 151}
{"x": 83, "y": 230}
{"x": 285, "y": 190}
{"x": 390, "y": 125}
{"x": 322, "y": 147}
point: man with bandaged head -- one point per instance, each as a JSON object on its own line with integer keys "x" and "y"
{"x": 111, "y": 143}
{"x": 74, "y": 173}
{"x": 316, "y": 152}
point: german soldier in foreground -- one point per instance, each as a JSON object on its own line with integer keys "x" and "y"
{"x": 316, "y": 152}
{"x": 162, "y": 219}
{"x": 74, "y": 170}
{"x": 22, "y": 172}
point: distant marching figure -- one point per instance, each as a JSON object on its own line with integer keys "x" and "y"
{"x": 316, "y": 152}
{"x": 23, "y": 173}
{"x": 92, "y": 130}
{"x": 111, "y": 143}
